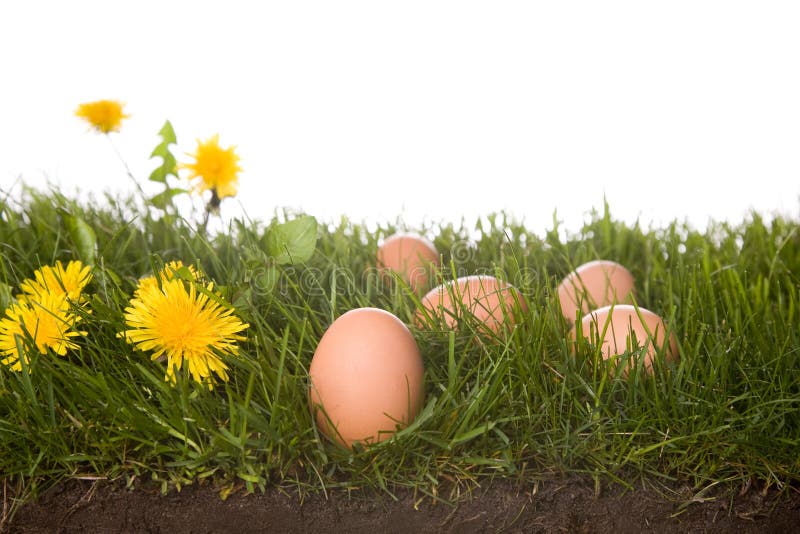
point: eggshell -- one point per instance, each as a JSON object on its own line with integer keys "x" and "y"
{"x": 412, "y": 257}
{"x": 366, "y": 377}
{"x": 594, "y": 285}
{"x": 490, "y": 300}
{"x": 619, "y": 322}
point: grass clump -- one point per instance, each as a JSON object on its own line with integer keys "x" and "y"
{"x": 520, "y": 407}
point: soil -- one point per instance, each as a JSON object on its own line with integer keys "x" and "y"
{"x": 563, "y": 505}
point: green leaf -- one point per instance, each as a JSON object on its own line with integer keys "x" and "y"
{"x": 472, "y": 434}
{"x": 167, "y": 133}
{"x": 255, "y": 479}
{"x": 161, "y": 151}
{"x": 241, "y": 298}
{"x": 83, "y": 237}
{"x": 169, "y": 164}
{"x": 265, "y": 279}
{"x": 255, "y": 258}
{"x": 5, "y": 296}
{"x": 168, "y": 167}
{"x": 164, "y": 198}
{"x": 293, "y": 241}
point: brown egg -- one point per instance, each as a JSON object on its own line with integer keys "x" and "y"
{"x": 594, "y": 285}
{"x": 492, "y": 302}
{"x": 366, "y": 377}
{"x": 619, "y": 323}
{"x": 411, "y": 257}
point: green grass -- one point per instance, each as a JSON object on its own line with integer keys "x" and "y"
{"x": 520, "y": 407}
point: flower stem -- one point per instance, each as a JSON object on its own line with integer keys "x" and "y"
{"x": 211, "y": 207}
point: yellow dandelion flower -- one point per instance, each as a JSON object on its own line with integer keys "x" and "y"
{"x": 185, "y": 325}
{"x": 105, "y": 116}
{"x": 58, "y": 280}
{"x": 45, "y": 321}
{"x": 171, "y": 271}
{"x": 215, "y": 168}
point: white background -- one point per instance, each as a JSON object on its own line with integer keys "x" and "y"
{"x": 421, "y": 109}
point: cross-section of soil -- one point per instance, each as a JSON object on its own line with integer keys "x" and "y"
{"x": 566, "y": 505}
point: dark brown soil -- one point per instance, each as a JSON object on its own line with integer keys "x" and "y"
{"x": 566, "y": 505}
